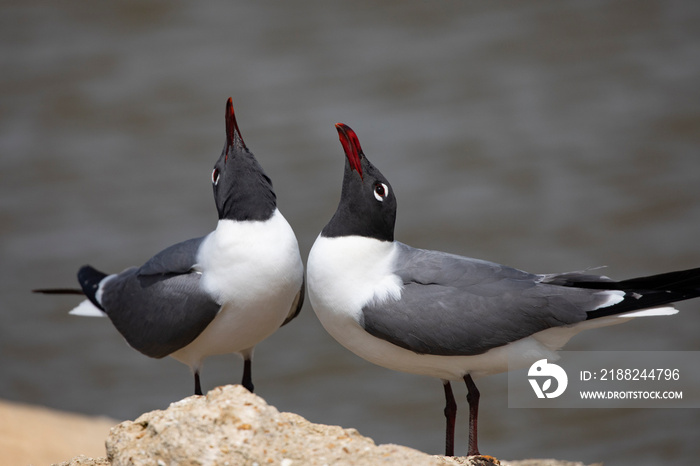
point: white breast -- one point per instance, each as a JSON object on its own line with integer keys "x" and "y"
{"x": 347, "y": 272}
{"x": 243, "y": 260}
{"x": 254, "y": 270}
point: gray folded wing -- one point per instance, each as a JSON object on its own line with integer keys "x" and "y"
{"x": 178, "y": 258}
{"x": 160, "y": 307}
{"x": 453, "y": 305}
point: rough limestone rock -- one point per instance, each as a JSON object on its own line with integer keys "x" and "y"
{"x": 83, "y": 460}
{"x": 230, "y": 426}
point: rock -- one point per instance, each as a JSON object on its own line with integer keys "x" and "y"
{"x": 83, "y": 460}
{"x": 230, "y": 426}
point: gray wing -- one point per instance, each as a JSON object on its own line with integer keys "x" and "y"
{"x": 160, "y": 307}
{"x": 453, "y": 305}
{"x": 178, "y": 258}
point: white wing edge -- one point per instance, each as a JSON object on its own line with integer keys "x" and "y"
{"x": 87, "y": 309}
{"x": 652, "y": 311}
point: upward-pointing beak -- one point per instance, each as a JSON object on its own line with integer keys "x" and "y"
{"x": 232, "y": 131}
{"x": 351, "y": 146}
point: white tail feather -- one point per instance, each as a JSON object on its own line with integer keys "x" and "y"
{"x": 652, "y": 311}
{"x": 87, "y": 309}
{"x": 613, "y": 297}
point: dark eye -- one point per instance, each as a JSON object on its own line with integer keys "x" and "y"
{"x": 380, "y": 191}
{"x": 215, "y": 176}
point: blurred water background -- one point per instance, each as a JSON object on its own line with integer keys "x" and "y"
{"x": 549, "y": 136}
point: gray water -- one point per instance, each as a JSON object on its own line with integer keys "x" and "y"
{"x": 549, "y": 136}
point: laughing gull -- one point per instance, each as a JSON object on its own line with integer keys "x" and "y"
{"x": 221, "y": 293}
{"x": 453, "y": 317}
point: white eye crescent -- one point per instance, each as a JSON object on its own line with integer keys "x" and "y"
{"x": 381, "y": 191}
{"x": 215, "y": 176}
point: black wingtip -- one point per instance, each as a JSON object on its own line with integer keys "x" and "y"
{"x": 646, "y": 292}
{"x": 58, "y": 291}
{"x": 89, "y": 279}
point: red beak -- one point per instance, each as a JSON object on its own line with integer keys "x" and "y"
{"x": 231, "y": 126}
{"x": 351, "y": 146}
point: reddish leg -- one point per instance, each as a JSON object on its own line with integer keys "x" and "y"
{"x": 473, "y": 400}
{"x": 450, "y": 416}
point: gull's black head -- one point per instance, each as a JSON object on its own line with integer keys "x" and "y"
{"x": 242, "y": 190}
{"x": 367, "y": 203}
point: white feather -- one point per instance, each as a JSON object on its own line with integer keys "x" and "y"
{"x": 351, "y": 271}
{"x": 87, "y": 309}
{"x": 254, "y": 270}
{"x": 613, "y": 297}
{"x": 652, "y": 311}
